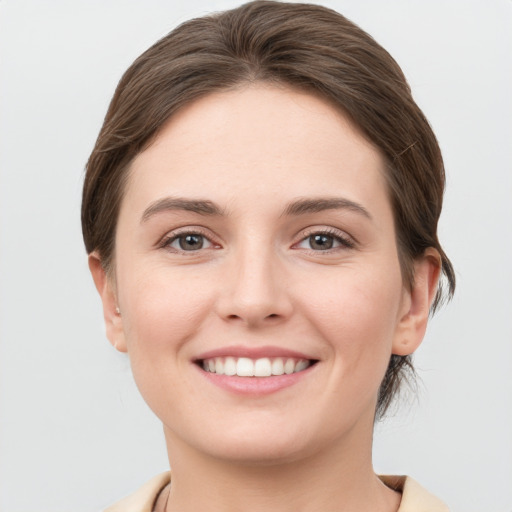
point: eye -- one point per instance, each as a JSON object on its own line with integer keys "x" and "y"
{"x": 325, "y": 241}
{"x": 187, "y": 242}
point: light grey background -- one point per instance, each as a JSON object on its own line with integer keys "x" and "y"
{"x": 74, "y": 434}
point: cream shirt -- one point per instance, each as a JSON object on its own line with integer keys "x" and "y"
{"x": 414, "y": 497}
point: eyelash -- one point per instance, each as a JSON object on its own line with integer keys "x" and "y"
{"x": 169, "y": 239}
{"x": 344, "y": 241}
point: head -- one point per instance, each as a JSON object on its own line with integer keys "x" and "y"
{"x": 304, "y": 48}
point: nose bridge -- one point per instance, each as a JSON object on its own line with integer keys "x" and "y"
{"x": 256, "y": 291}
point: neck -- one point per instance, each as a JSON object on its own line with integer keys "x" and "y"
{"x": 340, "y": 478}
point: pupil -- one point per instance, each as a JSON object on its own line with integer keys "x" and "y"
{"x": 322, "y": 242}
{"x": 191, "y": 242}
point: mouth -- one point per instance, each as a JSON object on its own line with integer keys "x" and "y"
{"x": 261, "y": 367}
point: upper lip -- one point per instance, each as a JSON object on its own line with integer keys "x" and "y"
{"x": 252, "y": 353}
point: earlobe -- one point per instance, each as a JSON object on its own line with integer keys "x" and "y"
{"x": 417, "y": 302}
{"x": 111, "y": 314}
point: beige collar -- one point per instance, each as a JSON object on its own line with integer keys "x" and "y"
{"x": 414, "y": 497}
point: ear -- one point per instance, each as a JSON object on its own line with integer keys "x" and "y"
{"x": 415, "y": 308}
{"x": 111, "y": 315}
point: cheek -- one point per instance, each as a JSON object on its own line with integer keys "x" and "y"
{"x": 163, "y": 310}
{"x": 357, "y": 314}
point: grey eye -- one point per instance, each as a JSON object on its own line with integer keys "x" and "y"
{"x": 321, "y": 242}
{"x": 324, "y": 241}
{"x": 189, "y": 242}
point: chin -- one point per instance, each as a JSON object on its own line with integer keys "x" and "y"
{"x": 255, "y": 441}
{"x": 260, "y": 452}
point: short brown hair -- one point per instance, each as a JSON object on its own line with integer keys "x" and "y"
{"x": 304, "y": 46}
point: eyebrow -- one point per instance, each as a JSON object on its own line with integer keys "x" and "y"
{"x": 295, "y": 208}
{"x": 315, "y": 205}
{"x": 200, "y": 206}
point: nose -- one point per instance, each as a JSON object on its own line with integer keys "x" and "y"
{"x": 254, "y": 289}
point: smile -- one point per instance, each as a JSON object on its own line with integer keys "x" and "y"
{"x": 261, "y": 367}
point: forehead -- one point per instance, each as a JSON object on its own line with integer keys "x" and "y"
{"x": 260, "y": 140}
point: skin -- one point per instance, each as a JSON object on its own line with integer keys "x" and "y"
{"x": 258, "y": 281}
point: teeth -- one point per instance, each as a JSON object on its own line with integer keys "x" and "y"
{"x": 301, "y": 365}
{"x": 289, "y": 366}
{"x": 277, "y": 366}
{"x": 219, "y": 366}
{"x": 263, "y": 367}
{"x": 230, "y": 366}
{"x": 246, "y": 367}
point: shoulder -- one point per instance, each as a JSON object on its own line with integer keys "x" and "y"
{"x": 144, "y": 498}
{"x": 414, "y": 497}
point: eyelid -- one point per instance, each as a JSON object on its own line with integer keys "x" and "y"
{"x": 347, "y": 241}
{"x": 171, "y": 236}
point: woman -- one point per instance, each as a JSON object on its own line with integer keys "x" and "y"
{"x": 260, "y": 212}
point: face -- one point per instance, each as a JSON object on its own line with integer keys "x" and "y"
{"x": 258, "y": 278}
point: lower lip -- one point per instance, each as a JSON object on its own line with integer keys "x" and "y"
{"x": 255, "y": 385}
